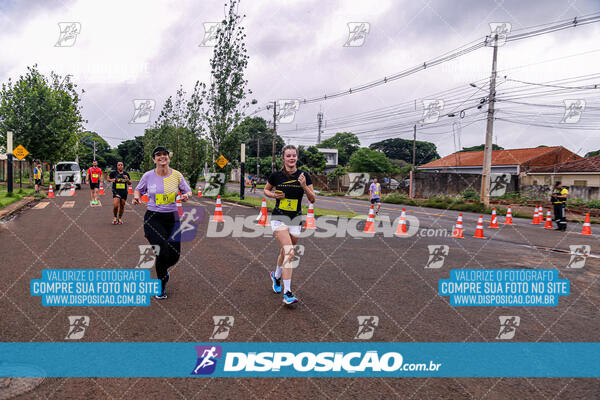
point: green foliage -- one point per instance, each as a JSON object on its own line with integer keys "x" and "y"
{"x": 346, "y": 144}
{"x": 337, "y": 172}
{"x": 311, "y": 160}
{"x": 481, "y": 147}
{"x": 470, "y": 194}
{"x": 593, "y": 204}
{"x": 228, "y": 85}
{"x": 367, "y": 160}
{"x": 253, "y": 130}
{"x": 401, "y": 149}
{"x": 265, "y": 165}
{"x": 105, "y": 156}
{"x": 43, "y": 113}
{"x": 592, "y": 153}
{"x": 131, "y": 152}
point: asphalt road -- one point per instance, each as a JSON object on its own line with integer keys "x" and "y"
{"x": 337, "y": 280}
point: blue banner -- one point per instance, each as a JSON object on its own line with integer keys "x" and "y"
{"x": 304, "y": 359}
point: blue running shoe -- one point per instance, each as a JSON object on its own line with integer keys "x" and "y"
{"x": 289, "y": 298}
{"x": 276, "y": 283}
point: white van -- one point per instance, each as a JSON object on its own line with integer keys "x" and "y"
{"x": 67, "y": 173}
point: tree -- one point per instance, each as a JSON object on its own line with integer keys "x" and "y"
{"x": 368, "y": 160}
{"x": 346, "y": 144}
{"x": 265, "y": 165}
{"x": 131, "y": 152}
{"x": 402, "y": 149}
{"x": 44, "y": 115}
{"x": 85, "y": 151}
{"x": 481, "y": 147}
{"x": 228, "y": 86}
{"x": 251, "y": 130}
{"x": 311, "y": 160}
{"x": 592, "y": 153}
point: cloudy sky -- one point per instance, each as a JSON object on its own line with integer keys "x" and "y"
{"x": 129, "y": 50}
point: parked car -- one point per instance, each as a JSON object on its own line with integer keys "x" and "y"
{"x": 67, "y": 173}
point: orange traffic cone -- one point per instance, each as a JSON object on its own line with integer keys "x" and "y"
{"x": 263, "y": 218}
{"x": 178, "y": 204}
{"x": 145, "y": 198}
{"x": 401, "y": 230}
{"x": 548, "y": 224}
{"x": 50, "y": 192}
{"x": 370, "y": 225}
{"x": 101, "y": 191}
{"x": 310, "y": 217}
{"x": 129, "y": 189}
{"x": 535, "y": 220}
{"x": 508, "y": 218}
{"x": 587, "y": 227}
{"x": 218, "y": 217}
{"x": 479, "y": 230}
{"x": 494, "y": 220}
{"x": 72, "y": 190}
{"x": 458, "y": 228}
{"x": 199, "y": 191}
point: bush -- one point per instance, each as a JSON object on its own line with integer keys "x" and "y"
{"x": 593, "y": 204}
{"x": 470, "y": 194}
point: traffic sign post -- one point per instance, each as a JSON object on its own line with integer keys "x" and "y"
{"x": 20, "y": 152}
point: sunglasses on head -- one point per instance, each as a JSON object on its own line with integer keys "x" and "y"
{"x": 161, "y": 153}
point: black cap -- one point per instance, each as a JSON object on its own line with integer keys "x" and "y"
{"x": 158, "y": 149}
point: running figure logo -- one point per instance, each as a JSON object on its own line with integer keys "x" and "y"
{"x": 357, "y": 34}
{"x": 68, "y": 34}
{"x": 437, "y": 255}
{"x": 573, "y": 111}
{"x": 508, "y": 327}
{"x": 366, "y": 326}
{"x": 287, "y": 110}
{"x": 432, "y": 110}
{"x": 210, "y": 34}
{"x": 214, "y": 181}
{"x": 207, "y": 359}
{"x": 223, "y": 324}
{"x": 148, "y": 254}
{"x": 499, "y": 183}
{"x": 142, "y": 110}
{"x": 579, "y": 254}
{"x": 358, "y": 183}
{"x": 502, "y": 29}
{"x": 186, "y": 228}
{"x": 77, "y": 326}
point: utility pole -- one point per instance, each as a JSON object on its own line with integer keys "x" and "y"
{"x": 319, "y": 123}
{"x": 258, "y": 160}
{"x": 487, "y": 152}
{"x": 273, "y": 163}
{"x": 94, "y": 143}
{"x": 9, "y": 162}
{"x": 242, "y": 170}
{"x": 414, "y": 158}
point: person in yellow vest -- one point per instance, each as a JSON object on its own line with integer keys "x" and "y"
{"x": 37, "y": 176}
{"x": 375, "y": 194}
{"x": 559, "y": 201}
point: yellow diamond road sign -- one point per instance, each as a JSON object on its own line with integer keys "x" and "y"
{"x": 222, "y": 161}
{"x": 20, "y": 152}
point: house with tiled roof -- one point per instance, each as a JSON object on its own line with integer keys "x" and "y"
{"x": 581, "y": 172}
{"x": 510, "y": 161}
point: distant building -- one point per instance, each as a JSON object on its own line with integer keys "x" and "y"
{"x": 331, "y": 157}
{"x": 512, "y": 161}
{"x": 584, "y": 172}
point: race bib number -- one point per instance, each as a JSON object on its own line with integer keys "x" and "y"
{"x": 288, "y": 204}
{"x": 164, "y": 198}
{"x": 94, "y": 175}
{"x": 120, "y": 186}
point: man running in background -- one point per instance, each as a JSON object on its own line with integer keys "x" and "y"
{"x": 94, "y": 174}
{"x": 375, "y": 194}
{"x": 37, "y": 176}
{"x": 120, "y": 179}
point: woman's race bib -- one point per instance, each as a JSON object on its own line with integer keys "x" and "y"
{"x": 120, "y": 186}
{"x": 164, "y": 198}
{"x": 288, "y": 204}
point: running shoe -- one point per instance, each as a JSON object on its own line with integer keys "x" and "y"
{"x": 276, "y": 283}
{"x": 115, "y": 221}
{"x": 289, "y": 298}
{"x": 163, "y": 292}
{"x": 120, "y": 221}
{"x": 161, "y": 296}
